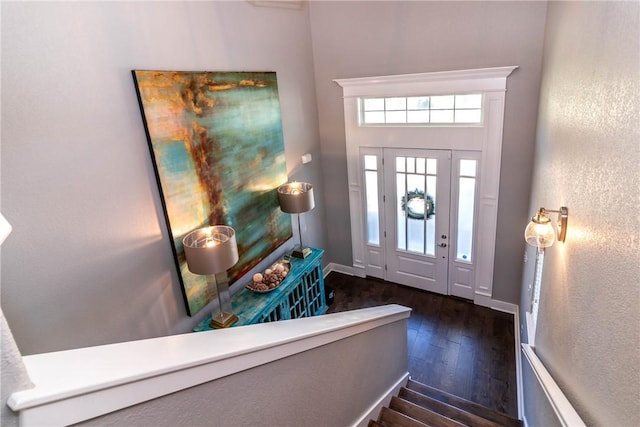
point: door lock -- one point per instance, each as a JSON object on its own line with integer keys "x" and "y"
{"x": 444, "y": 236}
{"x": 443, "y": 245}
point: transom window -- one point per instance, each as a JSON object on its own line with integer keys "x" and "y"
{"x": 422, "y": 110}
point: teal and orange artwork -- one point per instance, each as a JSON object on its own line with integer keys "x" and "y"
{"x": 218, "y": 152}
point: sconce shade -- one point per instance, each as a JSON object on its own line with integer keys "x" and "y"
{"x": 539, "y": 231}
{"x": 296, "y": 197}
{"x": 211, "y": 250}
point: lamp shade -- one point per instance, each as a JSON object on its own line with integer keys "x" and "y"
{"x": 296, "y": 197}
{"x": 539, "y": 231}
{"x": 211, "y": 250}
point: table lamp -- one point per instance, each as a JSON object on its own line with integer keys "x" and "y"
{"x": 211, "y": 251}
{"x": 296, "y": 198}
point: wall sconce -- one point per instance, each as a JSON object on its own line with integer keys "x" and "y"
{"x": 540, "y": 231}
{"x": 211, "y": 251}
{"x": 296, "y": 198}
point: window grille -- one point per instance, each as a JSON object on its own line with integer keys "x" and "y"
{"x": 422, "y": 110}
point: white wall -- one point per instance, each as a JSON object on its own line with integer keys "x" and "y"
{"x": 359, "y": 39}
{"x": 89, "y": 260}
{"x": 587, "y": 158}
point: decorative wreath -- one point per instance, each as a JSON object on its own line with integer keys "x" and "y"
{"x": 414, "y": 204}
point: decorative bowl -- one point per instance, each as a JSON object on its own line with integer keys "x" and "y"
{"x": 272, "y": 277}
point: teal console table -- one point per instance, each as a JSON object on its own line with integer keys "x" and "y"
{"x": 301, "y": 294}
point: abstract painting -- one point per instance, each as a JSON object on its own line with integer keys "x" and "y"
{"x": 218, "y": 152}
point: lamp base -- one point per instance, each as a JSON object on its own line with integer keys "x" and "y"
{"x": 223, "y": 320}
{"x": 301, "y": 252}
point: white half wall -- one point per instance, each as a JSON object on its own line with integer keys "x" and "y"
{"x": 322, "y": 370}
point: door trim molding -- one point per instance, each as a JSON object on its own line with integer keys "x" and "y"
{"x": 489, "y": 81}
{"x": 480, "y": 79}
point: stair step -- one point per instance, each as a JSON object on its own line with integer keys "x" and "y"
{"x": 465, "y": 405}
{"x": 390, "y": 418}
{"x": 423, "y": 415}
{"x": 445, "y": 409}
{"x": 373, "y": 423}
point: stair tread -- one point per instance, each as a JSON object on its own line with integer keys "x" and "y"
{"x": 421, "y": 414}
{"x": 464, "y": 404}
{"x": 452, "y": 412}
{"x": 390, "y": 418}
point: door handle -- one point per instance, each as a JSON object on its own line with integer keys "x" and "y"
{"x": 443, "y": 245}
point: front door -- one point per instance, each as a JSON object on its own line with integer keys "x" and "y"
{"x": 417, "y": 193}
{"x": 421, "y": 210}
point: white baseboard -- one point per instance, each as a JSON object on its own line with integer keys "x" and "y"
{"x": 338, "y": 268}
{"x": 487, "y": 301}
{"x": 374, "y": 410}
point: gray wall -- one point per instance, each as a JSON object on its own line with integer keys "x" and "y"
{"x": 359, "y": 39}
{"x": 587, "y": 157}
{"x": 89, "y": 260}
{"x": 313, "y": 388}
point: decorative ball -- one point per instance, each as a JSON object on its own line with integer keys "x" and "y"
{"x": 284, "y": 273}
{"x": 279, "y": 268}
{"x": 257, "y": 277}
{"x": 268, "y": 271}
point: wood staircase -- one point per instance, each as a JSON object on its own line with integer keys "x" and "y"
{"x": 419, "y": 405}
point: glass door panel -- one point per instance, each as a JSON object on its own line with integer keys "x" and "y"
{"x": 466, "y": 209}
{"x": 416, "y": 187}
{"x": 372, "y": 198}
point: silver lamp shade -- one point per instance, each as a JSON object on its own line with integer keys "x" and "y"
{"x": 296, "y": 197}
{"x": 211, "y": 251}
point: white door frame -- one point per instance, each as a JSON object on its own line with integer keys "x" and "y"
{"x": 486, "y": 138}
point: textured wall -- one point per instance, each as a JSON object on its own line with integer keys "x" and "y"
{"x": 89, "y": 260}
{"x": 13, "y": 375}
{"x": 359, "y": 39}
{"x": 313, "y": 388}
{"x": 587, "y": 158}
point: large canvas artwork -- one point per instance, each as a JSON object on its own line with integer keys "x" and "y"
{"x": 218, "y": 152}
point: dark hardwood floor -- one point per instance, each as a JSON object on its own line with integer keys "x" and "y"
{"x": 453, "y": 345}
